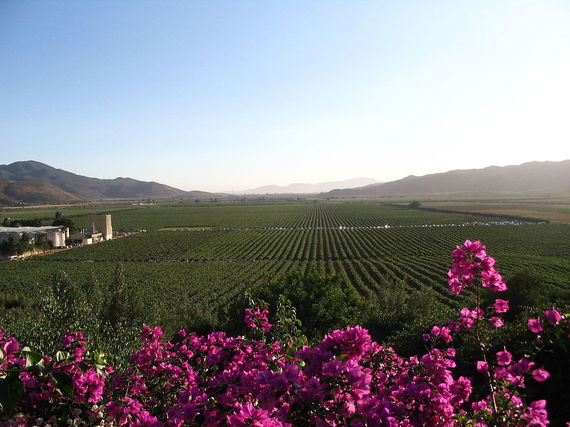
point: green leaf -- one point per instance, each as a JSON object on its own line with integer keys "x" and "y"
{"x": 64, "y": 383}
{"x": 99, "y": 358}
{"x": 60, "y": 356}
{"x": 11, "y": 393}
{"x": 32, "y": 357}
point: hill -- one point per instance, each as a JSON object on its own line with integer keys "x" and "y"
{"x": 32, "y": 191}
{"x": 302, "y": 188}
{"x": 532, "y": 176}
{"x": 32, "y": 182}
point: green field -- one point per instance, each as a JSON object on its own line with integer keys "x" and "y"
{"x": 368, "y": 244}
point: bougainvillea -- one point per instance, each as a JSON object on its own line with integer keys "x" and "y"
{"x": 346, "y": 379}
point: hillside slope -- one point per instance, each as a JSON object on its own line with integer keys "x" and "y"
{"x": 37, "y": 179}
{"x": 532, "y": 176}
{"x": 32, "y": 191}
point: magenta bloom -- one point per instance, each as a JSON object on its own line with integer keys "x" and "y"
{"x": 496, "y": 321}
{"x": 535, "y": 325}
{"x": 553, "y": 316}
{"x": 504, "y": 358}
{"x": 501, "y": 306}
{"x": 250, "y": 416}
{"x": 537, "y": 414}
{"x": 257, "y": 318}
{"x": 540, "y": 374}
{"x": 482, "y": 366}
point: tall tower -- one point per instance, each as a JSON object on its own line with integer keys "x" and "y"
{"x": 107, "y": 229}
{"x": 101, "y": 224}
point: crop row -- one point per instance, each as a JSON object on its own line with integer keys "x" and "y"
{"x": 287, "y": 216}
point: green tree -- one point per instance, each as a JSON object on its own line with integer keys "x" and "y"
{"x": 63, "y": 221}
{"x": 124, "y": 305}
{"x": 319, "y": 300}
{"x": 25, "y": 244}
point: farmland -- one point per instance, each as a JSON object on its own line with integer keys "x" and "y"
{"x": 220, "y": 251}
{"x": 554, "y": 209}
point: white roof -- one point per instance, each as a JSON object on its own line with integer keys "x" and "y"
{"x": 29, "y": 229}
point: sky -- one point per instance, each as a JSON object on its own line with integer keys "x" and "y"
{"x": 231, "y": 95}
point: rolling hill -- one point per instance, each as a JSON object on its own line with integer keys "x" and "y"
{"x": 32, "y": 191}
{"x": 35, "y": 182}
{"x": 527, "y": 177}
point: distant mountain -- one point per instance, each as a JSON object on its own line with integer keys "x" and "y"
{"x": 533, "y": 176}
{"x": 309, "y": 188}
{"x": 35, "y": 182}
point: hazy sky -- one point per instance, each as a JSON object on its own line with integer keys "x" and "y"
{"x": 221, "y": 95}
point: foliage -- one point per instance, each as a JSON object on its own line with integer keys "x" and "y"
{"x": 33, "y": 222}
{"x": 345, "y": 379}
{"x": 24, "y": 244}
{"x": 319, "y": 301}
{"x": 66, "y": 222}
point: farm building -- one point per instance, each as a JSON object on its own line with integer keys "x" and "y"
{"x": 54, "y": 234}
{"x": 101, "y": 224}
{"x": 99, "y": 228}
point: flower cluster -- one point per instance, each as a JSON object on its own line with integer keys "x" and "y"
{"x": 470, "y": 261}
{"x": 73, "y": 379}
{"x": 257, "y": 319}
{"x": 346, "y": 379}
{"x": 552, "y": 318}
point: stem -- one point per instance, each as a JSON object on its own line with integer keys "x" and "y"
{"x": 482, "y": 347}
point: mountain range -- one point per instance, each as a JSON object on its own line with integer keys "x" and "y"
{"x": 32, "y": 182}
{"x": 309, "y": 188}
{"x": 527, "y": 177}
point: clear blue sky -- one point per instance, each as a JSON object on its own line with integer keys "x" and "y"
{"x": 221, "y": 95}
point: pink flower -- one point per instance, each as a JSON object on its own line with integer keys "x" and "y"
{"x": 504, "y": 358}
{"x": 446, "y": 335}
{"x": 535, "y": 325}
{"x": 482, "y": 366}
{"x": 553, "y": 316}
{"x": 496, "y": 321}
{"x": 501, "y": 306}
{"x": 257, "y": 318}
{"x": 250, "y": 416}
{"x": 493, "y": 280}
{"x": 537, "y": 415}
{"x": 521, "y": 367}
{"x": 540, "y": 375}
{"x": 11, "y": 346}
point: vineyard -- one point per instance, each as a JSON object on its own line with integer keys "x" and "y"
{"x": 369, "y": 245}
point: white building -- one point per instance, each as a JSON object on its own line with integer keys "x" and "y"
{"x": 54, "y": 234}
{"x": 99, "y": 228}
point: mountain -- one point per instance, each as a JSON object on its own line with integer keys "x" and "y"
{"x": 532, "y": 176}
{"x": 32, "y": 191}
{"x": 309, "y": 188}
{"x": 29, "y": 181}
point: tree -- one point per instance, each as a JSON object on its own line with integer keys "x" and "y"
{"x": 65, "y": 222}
{"x": 25, "y": 244}
{"x": 414, "y": 204}
{"x": 320, "y": 301}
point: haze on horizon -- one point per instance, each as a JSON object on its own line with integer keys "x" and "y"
{"x": 226, "y": 95}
